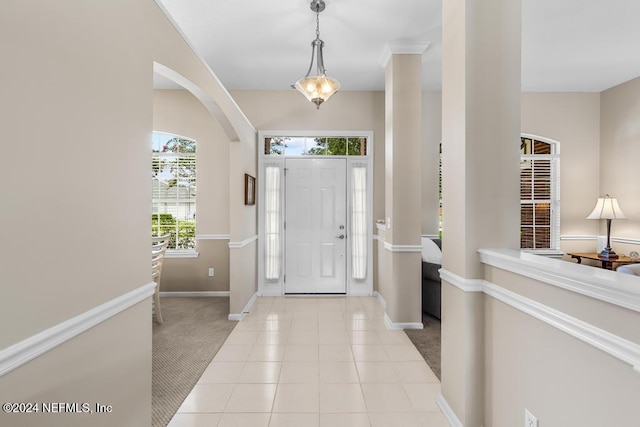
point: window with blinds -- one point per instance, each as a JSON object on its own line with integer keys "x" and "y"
{"x": 539, "y": 195}
{"x": 173, "y": 183}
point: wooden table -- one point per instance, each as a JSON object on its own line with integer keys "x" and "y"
{"x": 606, "y": 262}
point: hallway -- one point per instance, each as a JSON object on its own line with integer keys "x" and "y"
{"x": 314, "y": 361}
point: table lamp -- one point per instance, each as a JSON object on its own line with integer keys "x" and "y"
{"x": 607, "y": 208}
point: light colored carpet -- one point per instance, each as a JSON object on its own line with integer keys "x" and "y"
{"x": 193, "y": 331}
{"x": 428, "y": 341}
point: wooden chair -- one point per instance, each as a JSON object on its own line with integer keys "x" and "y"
{"x": 159, "y": 246}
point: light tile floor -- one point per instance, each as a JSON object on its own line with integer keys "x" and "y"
{"x": 314, "y": 362}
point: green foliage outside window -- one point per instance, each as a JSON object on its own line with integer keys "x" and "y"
{"x": 182, "y": 234}
{"x": 338, "y": 147}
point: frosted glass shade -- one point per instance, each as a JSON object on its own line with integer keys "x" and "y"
{"x": 317, "y": 89}
{"x": 606, "y": 208}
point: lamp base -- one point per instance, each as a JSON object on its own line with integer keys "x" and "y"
{"x": 608, "y": 253}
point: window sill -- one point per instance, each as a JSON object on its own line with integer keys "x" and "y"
{"x": 181, "y": 253}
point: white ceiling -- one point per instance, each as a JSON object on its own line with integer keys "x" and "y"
{"x": 567, "y": 45}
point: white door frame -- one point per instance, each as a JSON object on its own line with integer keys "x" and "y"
{"x": 276, "y": 287}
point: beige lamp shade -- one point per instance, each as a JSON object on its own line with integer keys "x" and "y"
{"x": 606, "y": 208}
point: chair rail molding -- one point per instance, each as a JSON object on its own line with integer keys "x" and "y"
{"x": 181, "y": 253}
{"x": 28, "y": 349}
{"x": 402, "y": 248}
{"x": 614, "y": 345}
{"x": 629, "y": 240}
{"x": 213, "y": 237}
{"x": 467, "y": 285}
{"x": 243, "y": 243}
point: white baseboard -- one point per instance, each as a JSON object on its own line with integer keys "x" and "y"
{"x": 380, "y": 298}
{"x": 400, "y": 326}
{"x": 387, "y": 320}
{"x": 247, "y": 308}
{"x": 448, "y": 413}
{"x": 194, "y": 294}
{"x": 36, "y": 345}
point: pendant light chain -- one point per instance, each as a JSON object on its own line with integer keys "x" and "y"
{"x": 320, "y": 87}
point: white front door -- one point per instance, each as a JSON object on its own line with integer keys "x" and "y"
{"x": 315, "y": 226}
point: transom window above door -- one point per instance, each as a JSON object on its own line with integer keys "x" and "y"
{"x": 315, "y": 146}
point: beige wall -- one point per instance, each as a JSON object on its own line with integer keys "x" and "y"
{"x": 288, "y": 110}
{"x": 192, "y": 274}
{"x": 77, "y": 103}
{"x": 108, "y": 364}
{"x": 563, "y": 381}
{"x": 572, "y": 119}
{"x": 181, "y": 113}
{"x": 619, "y": 154}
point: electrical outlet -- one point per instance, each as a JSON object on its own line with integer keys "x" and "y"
{"x": 529, "y": 419}
{"x": 211, "y": 272}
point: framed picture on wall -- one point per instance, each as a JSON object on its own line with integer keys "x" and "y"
{"x": 249, "y": 190}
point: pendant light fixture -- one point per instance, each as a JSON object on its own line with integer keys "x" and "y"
{"x": 317, "y": 88}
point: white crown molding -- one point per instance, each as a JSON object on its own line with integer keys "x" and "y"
{"x": 247, "y": 308}
{"x": 403, "y": 48}
{"x": 195, "y": 294}
{"x": 36, "y": 345}
{"x": 400, "y": 326}
{"x": 448, "y": 412}
{"x": 605, "y": 285}
{"x": 213, "y": 237}
{"x": 614, "y": 345}
{"x": 467, "y": 285}
{"x": 242, "y": 244}
{"x": 402, "y": 248}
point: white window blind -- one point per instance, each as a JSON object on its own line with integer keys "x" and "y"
{"x": 173, "y": 187}
{"x": 272, "y": 246}
{"x": 539, "y": 201}
{"x": 359, "y": 222}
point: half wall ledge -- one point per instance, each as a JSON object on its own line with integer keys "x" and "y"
{"x": 615, "y": 288}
